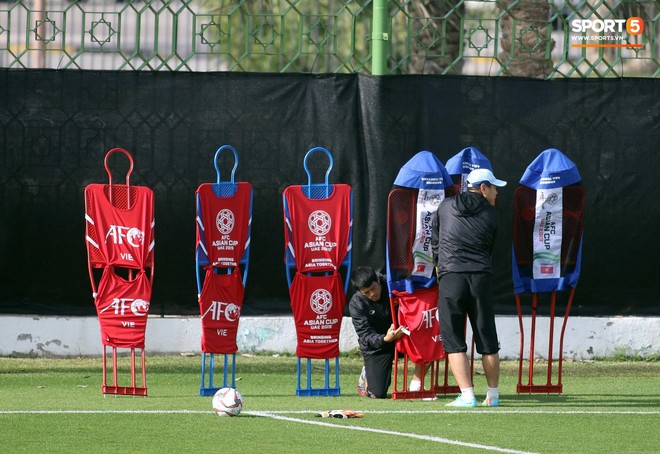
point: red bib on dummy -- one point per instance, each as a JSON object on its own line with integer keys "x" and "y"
{"x": 220, "y": 306}
{"x": 116, "y": 236}
{"x": 318, "y": 308}
{"x": 224, "y": 224}
{"x": 122, "y": 307}
{"x": 321, "y": 228}
{"x": 419, "y": 312}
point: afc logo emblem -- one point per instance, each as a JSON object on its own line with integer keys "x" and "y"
{"x": 224, "y": 221}
{"x": 319, "y": 222}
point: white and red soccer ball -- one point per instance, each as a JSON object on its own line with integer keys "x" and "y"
{"x": 227, "y": 402}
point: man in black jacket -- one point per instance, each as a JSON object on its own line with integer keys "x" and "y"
{"x": 463, "y": 235}
{"x": 372, "y": 318}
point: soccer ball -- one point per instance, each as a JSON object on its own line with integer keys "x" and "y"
{"x": 227, "y": 402}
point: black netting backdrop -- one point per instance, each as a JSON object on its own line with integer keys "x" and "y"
{"x": 56, "y": 127}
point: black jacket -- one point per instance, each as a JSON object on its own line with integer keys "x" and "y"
{"x": 372, "y": 320}
{"x": 463, "y": 234}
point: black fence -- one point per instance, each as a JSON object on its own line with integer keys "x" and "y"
{"x": 56, "y": 126}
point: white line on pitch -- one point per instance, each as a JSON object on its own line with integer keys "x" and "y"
{"x": 376, "y": 412}
{"x": 491, "y": 412}
{"x": 391, "y": 432}
{"x": 121, "y": 412}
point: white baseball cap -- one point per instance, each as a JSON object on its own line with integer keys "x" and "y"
{"x": 478, "y": 176}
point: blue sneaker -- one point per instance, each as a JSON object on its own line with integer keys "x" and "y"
{"x": 491, "y": 402}
{"x": 459, "y": 402}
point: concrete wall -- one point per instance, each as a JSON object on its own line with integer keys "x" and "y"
{"x": 585, "y": 338}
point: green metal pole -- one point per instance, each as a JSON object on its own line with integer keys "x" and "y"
{"x": 380, "y": 38}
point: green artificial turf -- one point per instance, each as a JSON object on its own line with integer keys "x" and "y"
{"x": 56, "y": 405}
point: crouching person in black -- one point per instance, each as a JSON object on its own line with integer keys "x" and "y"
{"x": 372, "y": 318}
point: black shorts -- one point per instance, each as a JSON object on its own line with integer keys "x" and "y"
{"x": 468, "y": 294}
